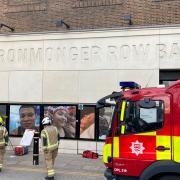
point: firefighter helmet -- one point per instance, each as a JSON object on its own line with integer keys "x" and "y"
{"x": 46, "y": 121}
{"x": 1, "y": 120}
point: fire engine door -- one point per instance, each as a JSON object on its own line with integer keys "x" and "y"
{"x": 144, "y": 137}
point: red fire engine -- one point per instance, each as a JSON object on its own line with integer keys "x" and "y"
{"x": 143, "y": 142}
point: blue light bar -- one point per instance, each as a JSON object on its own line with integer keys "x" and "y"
{"x": 129, "y": 84}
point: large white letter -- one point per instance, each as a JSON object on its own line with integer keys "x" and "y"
{"x": 73, "y": 53}
{"x": 11, "y": 55}
{"x": 112, "y": 53}
{"x": 2, "y": 53}
{"x": 162, "y": 50}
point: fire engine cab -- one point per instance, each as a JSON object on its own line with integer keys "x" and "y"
{"x": 143, "y": 142}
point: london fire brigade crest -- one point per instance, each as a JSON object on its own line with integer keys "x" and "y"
{"x": 137, "y": 147}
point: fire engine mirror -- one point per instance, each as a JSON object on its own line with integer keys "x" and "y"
{"x": 147, "y": 103}
{"x": 108, "y": 100}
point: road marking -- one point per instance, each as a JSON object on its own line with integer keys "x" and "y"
{"x": 76, "y": 173}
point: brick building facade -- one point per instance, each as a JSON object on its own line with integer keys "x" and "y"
{"x": 42, "y": 15}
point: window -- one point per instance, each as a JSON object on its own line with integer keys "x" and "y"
{"x": 87, "y": 122}
{"x": 167, "y": 77}
{"x": 23, "y": 117}
{"x": 105, "y": 120}
{"x": 64, "y": 118}
{"x": 138, "y": 119}
{"x": 3, "y": 110}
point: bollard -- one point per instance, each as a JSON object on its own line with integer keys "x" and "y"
{"x": 36, "y": 149}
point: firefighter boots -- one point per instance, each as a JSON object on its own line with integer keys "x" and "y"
{"x": 49, "y": 178}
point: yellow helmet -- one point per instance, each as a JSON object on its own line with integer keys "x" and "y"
{"x": 1, "y": 120}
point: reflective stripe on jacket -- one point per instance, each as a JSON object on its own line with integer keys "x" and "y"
{"x": 3, "y": 136}
{"x": 49, "y": 135}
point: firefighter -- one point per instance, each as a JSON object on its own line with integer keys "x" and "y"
{"x": 50, "y": 141}
{"x": 3, "y": 141}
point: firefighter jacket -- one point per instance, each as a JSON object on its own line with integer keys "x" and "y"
{"x": 50, "y": 138}
{"x": 3, "y": 136}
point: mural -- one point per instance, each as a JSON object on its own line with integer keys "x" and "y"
{"x": 87, "y": 122}
{"x": 64, "y": 118}
{"x": 23, "y": 117}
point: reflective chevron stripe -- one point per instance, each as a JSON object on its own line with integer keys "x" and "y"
{"x": 51, "y": 172}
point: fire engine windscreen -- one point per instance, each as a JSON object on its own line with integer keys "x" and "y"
{"x": 137, "y": 119}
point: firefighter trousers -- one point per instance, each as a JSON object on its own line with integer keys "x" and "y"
{"x": 2, "y": 153}
{"x": 50, "y": 159}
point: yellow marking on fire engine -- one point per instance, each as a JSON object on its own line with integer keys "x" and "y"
{"x": 122, "y": 129}
{"x": 107, "y": 152}
{"x": 176, "y": 148}
{"x": 147, "y": 134}
{"x": 116, "y": 147}
{"x": 166, "y": 142}
{"x": 122, "y": 110}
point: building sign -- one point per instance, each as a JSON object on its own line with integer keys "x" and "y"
{"x": 92, "y": 50}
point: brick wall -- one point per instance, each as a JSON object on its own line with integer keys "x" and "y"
{"x": 41, "y": 15}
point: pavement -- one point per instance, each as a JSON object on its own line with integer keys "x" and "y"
{"x": 67, "y": 167}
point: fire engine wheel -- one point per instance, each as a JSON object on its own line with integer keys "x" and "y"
{"x": 170, "y": 177}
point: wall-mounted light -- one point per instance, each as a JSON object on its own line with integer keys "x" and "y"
{"x": 4, "y": 25}
{"x": 61, "y": 22}
{"x": 128, "y": 18}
